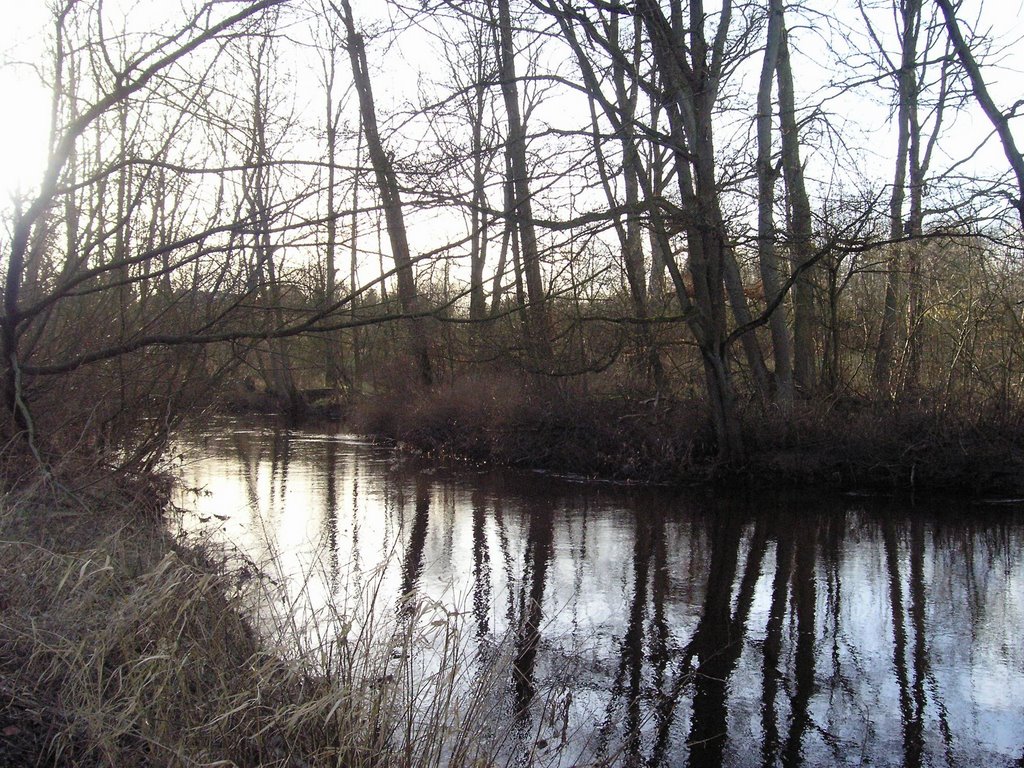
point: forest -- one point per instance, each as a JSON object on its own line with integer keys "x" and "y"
{"x": 626, "y": 239}
{"x": 766, "y": 254}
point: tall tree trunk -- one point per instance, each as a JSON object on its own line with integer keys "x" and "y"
{"x": 332, "y": 366}
{"x": 832, "y": 363}
{"x": 631, "y": 241}
{"x": 354, "y": 258}
{"x": 906, "y": 87}
{"x": 693, "y": 85}
{"x": 800, "y": 225}
{"x": 656, "y": 282}
{"x": 771, "y": 270}
{"x": 913, "y": 157}
{"x": 390, "y": 196}
{"x": 510, "y": 248}
{"x": 919, "y": 159}
{"x": 497, "y": 284}
{"x": 539, "y": 341}
{"x": 741, "y": 312}
{"x": 478, "y": 224}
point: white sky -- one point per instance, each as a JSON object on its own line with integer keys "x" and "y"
{"x": 23, "y": 129}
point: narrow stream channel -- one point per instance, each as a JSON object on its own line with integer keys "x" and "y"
{"x": 655, "y": 628}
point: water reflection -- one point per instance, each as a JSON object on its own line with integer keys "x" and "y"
{"x": 481, "y": 566}
{"x": 530, "y": 604}
{"x": 647, "y": 629}
{"x": 412, "y": 561}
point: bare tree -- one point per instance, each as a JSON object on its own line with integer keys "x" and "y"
{"x": 801, "y": 234}
{"x": 259, "y": 188}
{"x": 332, "y": 124}
{"x": 539, "y": 331}
{"x": 388, "y": 189}
{"x": 134, "y": 74}
{"x": 620, "y": 110}
{"x": 770, "y": 265}
{"x": 692, "y": 68}
{"x": 906, "y": 78}
{"x": 1000, "y": 119}
{"x": 915, "y": 141}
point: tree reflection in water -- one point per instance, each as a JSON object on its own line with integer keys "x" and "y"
{"x": 690, "y": 630}
{"x": 531, "y": 607}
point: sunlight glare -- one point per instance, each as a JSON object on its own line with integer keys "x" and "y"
{"x": 23, "y": 134}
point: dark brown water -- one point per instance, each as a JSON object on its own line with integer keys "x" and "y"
{"x": 660, "y": 628}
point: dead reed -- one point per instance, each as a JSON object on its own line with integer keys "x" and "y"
{"x": 122, "y": 647}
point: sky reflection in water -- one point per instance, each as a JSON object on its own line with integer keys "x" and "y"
{"x": 769, "y": 631}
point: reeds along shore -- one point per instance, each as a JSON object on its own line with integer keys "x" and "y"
{"x": 122, "y": 647}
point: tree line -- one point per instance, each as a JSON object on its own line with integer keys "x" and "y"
{"x": 755, "y": 205}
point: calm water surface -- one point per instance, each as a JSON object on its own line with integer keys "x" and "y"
{"x": 680, "y": 629}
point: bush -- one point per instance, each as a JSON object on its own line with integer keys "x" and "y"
{"x": 538, "y": 425}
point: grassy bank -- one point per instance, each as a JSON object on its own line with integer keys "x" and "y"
{"x": 849, "y": 445}
{"x": 120, "y": 646}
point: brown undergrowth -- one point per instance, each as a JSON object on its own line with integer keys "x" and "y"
{"x": 890, "y": 447}
{"x": 848, "y": 444}
{"x": 120, "y": 646}
{"x": 538, "y": 425}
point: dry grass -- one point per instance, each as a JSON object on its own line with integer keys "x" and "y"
{"x": 120, "y": 648}
{"x": 538, "y": 425}
{"x": 861, "y": 444}
{"x": 884, "y": 447}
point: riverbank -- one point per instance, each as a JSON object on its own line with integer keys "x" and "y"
{"x": 847, "y": 445}
{"x": 121, "y": 645}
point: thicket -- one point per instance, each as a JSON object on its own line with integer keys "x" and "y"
{"x": 626, "y": 241}
{"x": 609, "y": 241}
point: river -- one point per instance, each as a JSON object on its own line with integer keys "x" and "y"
{"x": 643, "y": 626}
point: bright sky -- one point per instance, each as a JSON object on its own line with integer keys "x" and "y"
{"x": 23, "y": 130}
